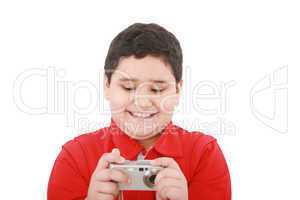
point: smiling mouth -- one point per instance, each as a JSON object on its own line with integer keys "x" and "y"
{"x": 141, "y": 115}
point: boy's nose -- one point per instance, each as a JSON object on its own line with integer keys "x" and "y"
{"x": 142, "y": 100}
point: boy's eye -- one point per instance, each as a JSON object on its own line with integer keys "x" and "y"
{"x": 156, "y": 90}
{"x": 128, "y": 88}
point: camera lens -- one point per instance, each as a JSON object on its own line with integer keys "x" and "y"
{"x": 152, "y": 178}
{"x": 149, "y": 178}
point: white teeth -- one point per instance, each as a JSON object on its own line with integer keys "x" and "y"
{"x": 142, "y": 115}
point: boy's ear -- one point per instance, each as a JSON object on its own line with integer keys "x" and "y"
{"x": 179, "y": 87}
{"x": 106, "y": 87}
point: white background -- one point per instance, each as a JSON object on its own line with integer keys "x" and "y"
{"x": 246, "y": 47}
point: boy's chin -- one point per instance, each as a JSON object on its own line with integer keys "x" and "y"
{"x": 141, "y": 135}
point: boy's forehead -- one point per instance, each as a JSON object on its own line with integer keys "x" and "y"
{"x": 125, "y": 77}
{"x": 149, "y": 68}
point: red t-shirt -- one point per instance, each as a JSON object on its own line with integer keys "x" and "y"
{"x": 198, "y": 155}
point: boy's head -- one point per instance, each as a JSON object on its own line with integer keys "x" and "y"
{"x": 143, "y": 71}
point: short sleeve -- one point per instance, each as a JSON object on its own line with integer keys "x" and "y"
{"x": 211, "y": 179}
{"x": 66, "y": 180}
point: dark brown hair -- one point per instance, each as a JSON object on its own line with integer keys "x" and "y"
{"x": 141, "y": 40}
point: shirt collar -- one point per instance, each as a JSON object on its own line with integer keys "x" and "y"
{"x": 168, "y": 144}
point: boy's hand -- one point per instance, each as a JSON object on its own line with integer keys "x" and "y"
{"x": 103, "y": 183}
{"x": 171, "y": 183}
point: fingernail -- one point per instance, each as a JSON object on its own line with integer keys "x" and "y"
{"x": 114, "y": 150}
{"x": 122, "y": 159}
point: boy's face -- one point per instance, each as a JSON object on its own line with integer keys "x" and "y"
{"x": 142, "y": 95}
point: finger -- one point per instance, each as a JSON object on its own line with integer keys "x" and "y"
{"x": 165, "y": 162}
{"x": 111, "y": 175}
{"x": 170, "y": 193}
{"x": 103, "y": 196}
{"x": 168, "y": 183}
{"x": 107, "y": 188}
{"x": 116, "y": 156}
{"x": 106, "y": 158}
{"x": 158, "y": 196}
{"x": 168, "y": 173}
{"x": 116, "y": 151}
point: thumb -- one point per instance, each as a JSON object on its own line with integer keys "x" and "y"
{"x": 107, "y": 158}
{"x": 158, "y": 197}
{"x": 116, "y": 152}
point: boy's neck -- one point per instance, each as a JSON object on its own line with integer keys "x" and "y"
{"x": 147, "y": 143}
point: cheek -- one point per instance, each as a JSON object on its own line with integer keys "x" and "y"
{"x": 119, "y": 101}
{"x": 167, "y": 103}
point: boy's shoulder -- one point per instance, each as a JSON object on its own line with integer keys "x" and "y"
{"x": 193, "y": 137}
{"x": 93, "y": 140}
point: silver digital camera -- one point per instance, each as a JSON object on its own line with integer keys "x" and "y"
{"x": 141, "y": 174}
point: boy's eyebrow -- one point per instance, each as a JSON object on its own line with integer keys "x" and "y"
{"x": 136, "y": 80}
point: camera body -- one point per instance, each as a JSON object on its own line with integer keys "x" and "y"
{"x": 140, "y": 172}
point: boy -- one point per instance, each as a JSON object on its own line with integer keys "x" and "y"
{"x": 143, "y": 71}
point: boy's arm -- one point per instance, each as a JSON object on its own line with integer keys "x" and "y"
{"x": 66, "y": 181}
{"x": 211, "y": 179}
